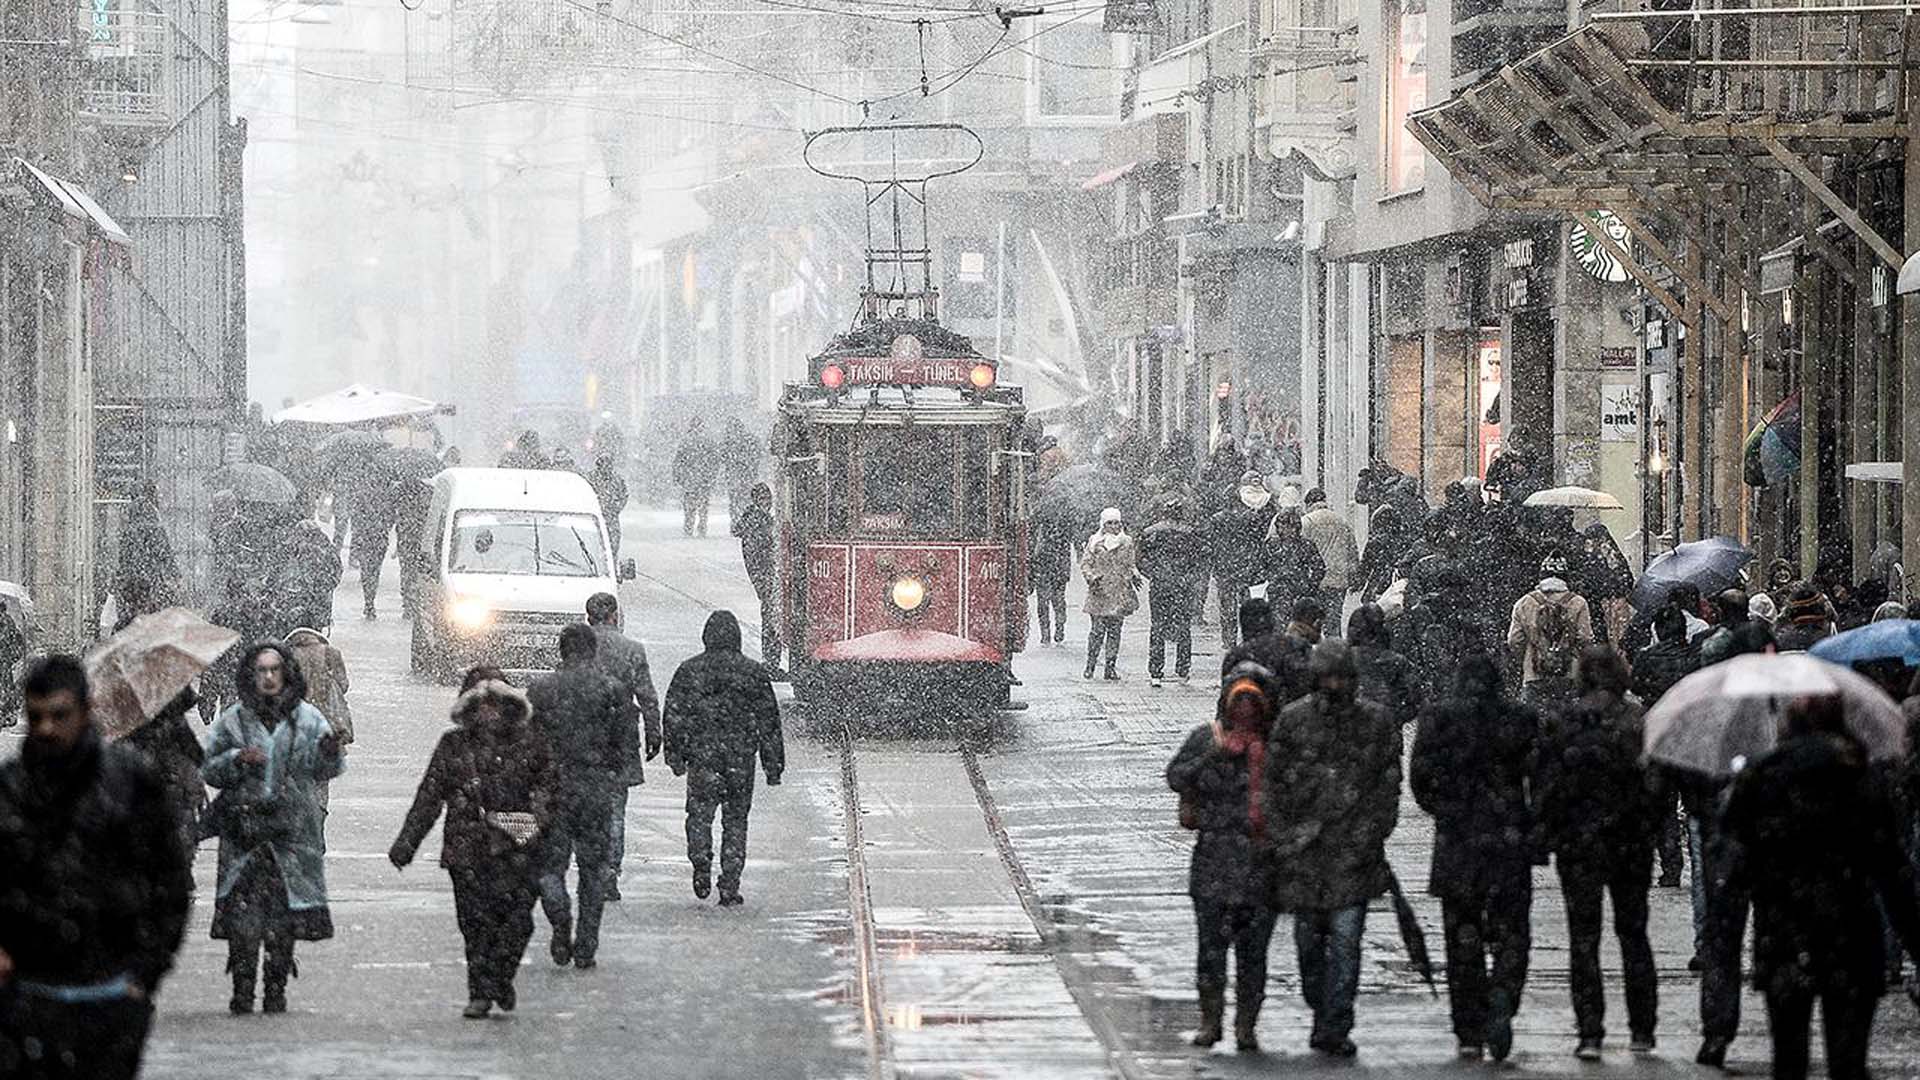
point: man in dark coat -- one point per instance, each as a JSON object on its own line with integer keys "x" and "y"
{"x": 1821, "y": 854}
{"x": 610, "y": 488}
{"x": 1275, "y": 649}
{"x": 1051, "y": 549}
{"x": 304, "y": 579}
{"x": 1656, "y": 670}
{"x": 1386, "y": 677}
{"x": 1599, "y": 812}
{"x": 592, "y": 726}
{"x": 695, "y": 464}
{"x": 623, "y": 660}
{"x": 1238, "y": 534}
{"x": 720, "y": 715}
{"x": 373, "y": 517}
{"x": 1332, "y": 799}
{"x": 146, "y": 578}
{"x": 1473, "y": 768}
{"x": 412, "y": 502}
{"x": 1173, "y": 557}
{"x": 1294, "y": 566}
{"x": 759, "y": 550}
{"x": 94, "y": 890}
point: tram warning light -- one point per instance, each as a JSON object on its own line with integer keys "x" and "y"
{"x": 832, "y": 376}
{"x": 981, "y": 376}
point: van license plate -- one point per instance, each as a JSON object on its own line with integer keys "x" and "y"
{"x": 527, "y": 641}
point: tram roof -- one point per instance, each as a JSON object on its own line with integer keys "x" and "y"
{"x": 892, "y": 406}
{"x": 876, "y": 336}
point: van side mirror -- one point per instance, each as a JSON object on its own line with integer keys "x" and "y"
{"x": 629, "y": 570}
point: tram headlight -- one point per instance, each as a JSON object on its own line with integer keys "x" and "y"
{"x": 908, "y": 593}
{"x": 981, "y": 376}
{"x": 832, "y": 376}
{"x": 470, "y": 614}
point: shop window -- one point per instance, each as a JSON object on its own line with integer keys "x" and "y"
{"x": 1405, "y": 165}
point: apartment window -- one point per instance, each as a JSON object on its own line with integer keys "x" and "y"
{"x": 1072, "y": 70}
{"x": 1405, "y": 164}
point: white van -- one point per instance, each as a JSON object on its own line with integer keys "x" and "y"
{"x": 513, "y": 555}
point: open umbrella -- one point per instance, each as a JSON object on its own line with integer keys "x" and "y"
{"x": 1411, "y": 933}
{"x": 1711, "y": 565}
{"x": 136, "y": 672}
{"x": 1888, "y": 639}
{"x": 1084, "y": 490}
{"x": 359, "y": 404}
{"x": 16, "y": 604}
{"x": 1718, "y": 718}
{"x": 1772, "y": 450}
{"x": 1579, "y": 498}
{"x": 253, "y": 482}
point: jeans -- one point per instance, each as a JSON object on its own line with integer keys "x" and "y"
{"x": 1248, "y": 931}
{"x": 1496, "y": 927}
{"x": 494, "y": 908}
{"x": 1327, "y": 946}
{"x": 1584, "y": 888}
{"x": 693, "y": 501}
{"x": 1052, "y": 599}
{"x": 1697, "y": 887}
{"x": 52, "y": 1040}
{"x": 579, "y": 833}
{"x": 1106, "y": 629}
{"x": 1170, "y": 619}
{"x": 1232, "y": 594}
{"x": 731, "y": 794}
{"x": 617, "y": 837}
{"x": 1846, "y": 1017}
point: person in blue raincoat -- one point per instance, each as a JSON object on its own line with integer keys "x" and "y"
{"x": 270, "y": 754}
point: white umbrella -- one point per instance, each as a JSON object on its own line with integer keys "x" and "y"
{"x": 17, "y": 605}
{"x": 1720, "y": 717}
{"x": 358, "y": 404}
{"x": 1579, "y": 498}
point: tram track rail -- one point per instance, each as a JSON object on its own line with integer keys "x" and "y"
{"x": 869, "y": 984}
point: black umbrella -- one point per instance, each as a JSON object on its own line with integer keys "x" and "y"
{"x": 1082, "y": 491}
{"x": 1411, "y": 935}
{"x": 253, "y": 482}
{"x": 1711, "y": 565}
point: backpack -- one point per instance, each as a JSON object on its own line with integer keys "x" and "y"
{"x": 1553, "y": 640}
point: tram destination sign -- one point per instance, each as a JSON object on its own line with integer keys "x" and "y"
{"x": 906, "y": 371}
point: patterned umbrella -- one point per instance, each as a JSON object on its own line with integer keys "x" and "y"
{"x": 137, "y": 671}
{"x": 1772, "y": 450}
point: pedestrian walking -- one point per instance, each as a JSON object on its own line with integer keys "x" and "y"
{"x": 741, "y": 456}
{"x": 1387, "y": 542}
{"x": 1108, "y": 563}
{"x": 721, "y": 715}
{"x": 173, "y": 750}
{"x": 526, "y": 453}
{"x": 94, "y": 890}
{"x": 1549, "y": 628}
{"x": 1472, "y": 769}
{"x": 1602, "y": 576}
{"x": 1805, "y": 619}
{"x": 494, "y": 778}
{"x": 593, "y": 732}
{"x": 610, "y": 488}
{"x": 1733, "y": 609}
{"x": 1599, "y": 816}
{"x": 1332, "y": 537}
{"x": 695, "y": 465}
{"x": 759, "y": 542}
{"x": 373, "y": 516}
{"x": 325, "y": 671}
{"x": 1275, "y": 649}
{"x": 1822, "y": 857}
{"x": 624, "y": 660}
{"x": 1332, "y": 799}
{"x": 1219, "y": 773}
{"x": 305, "y": 577}
{"x": 1294, "y": 567}
{"x": 1387, "y": 677}
{"x": 412, "y": 504}
{"x": 146, "y": 577}
{"x": 1051, "y": 543}
{"x": 269, "y": 754}
{"x": 1656, "y": 669}
{"x": 1238, "y": 533}
{"x": 1219, "y": 477}
{"x": 1173, "y": 557}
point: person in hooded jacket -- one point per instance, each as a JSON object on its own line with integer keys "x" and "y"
{"x": 324, "y": 670}
{"x": 146, "y": 577}
{"x": 1820, "y": 852}
{"x": 1294, "y": 566}
{"x": 720, "y": 716}
{"x": 1282, "y": 654}
{"x": 592, "y": 725}
{"x": 1332, "y": 799}
{"x": 1599, "y": 811}
{"x": 1172, "y": 556}
{"x": 1474, "y": 758}
{"x": 1549, "y": 628}
{"x": 1050, "y": 566}
{"x": 1387, "y": 541}
{"x": 1386, "y": 677}
{"x": 1109, "y": 563}
{"x": 495, "y": 780}
{"x": 269, "y": 754}
{"x": 1218, "y": 773}
{"x": 170, "y": 744}
{"x": 1238, "y": 533}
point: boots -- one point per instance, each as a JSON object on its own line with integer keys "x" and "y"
{"x": 1213, "y": 1007}
{"x": 278, "y": 966}
{"x": 241, "y": 962}
{"x": 1246, "y": 1017}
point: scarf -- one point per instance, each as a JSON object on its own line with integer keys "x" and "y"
{"x": 1248, "y": 743}
{"x": 1103, "y": 539}
{"x": 1254, "y": 496}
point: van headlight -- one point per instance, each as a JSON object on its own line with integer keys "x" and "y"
{"x": 470, "y": 614}
{"x": 908, "y": 593}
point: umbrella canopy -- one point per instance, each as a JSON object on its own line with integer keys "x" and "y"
{"x": 137, "y": 671}
{"x": 1888, "y": 639}
{"x": 1082, "y": 491}
{"x": 1718, "y": 718}
{"x": 1411, "y": 934}
{"x": 253, "y": 482}
{"x": 1711, "y": 565}
{"x": 1772, "y": 450}
{"x": 358, "y": 404}
{"x": 17, "y": 605}
{"x": 1579, "y": 498}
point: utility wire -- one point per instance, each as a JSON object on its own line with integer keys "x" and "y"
{"x": 704, "y": 51}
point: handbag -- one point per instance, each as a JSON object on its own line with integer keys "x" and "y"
{"x": 246, "y": 821}
{"x": 1189, "y": 813}
{"x": 517, "y": 826}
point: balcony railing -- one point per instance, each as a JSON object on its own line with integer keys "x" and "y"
{"x": 128, "y": 64}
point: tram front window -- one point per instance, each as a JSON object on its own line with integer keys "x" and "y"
{"x": 906, "y": 483}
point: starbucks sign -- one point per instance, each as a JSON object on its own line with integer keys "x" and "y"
{"x": 1587, "y": 251}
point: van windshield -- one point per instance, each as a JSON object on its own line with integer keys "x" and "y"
{"x": 526, "y": 542}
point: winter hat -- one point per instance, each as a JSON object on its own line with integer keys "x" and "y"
{"x": 1111, "y": 515}
{"x": 1554, "y": 565}
{"x": 1316, "y": 496}
{"x": 1806, "y": 605}
{"x": 1761, "y": 607}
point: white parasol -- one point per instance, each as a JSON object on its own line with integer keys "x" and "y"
{"x": 1578, "y": 498}
{"x": 358, "y": 404}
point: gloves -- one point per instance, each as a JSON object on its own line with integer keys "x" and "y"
{"x": 399, "y": 855}
{"x": 773, "y": 779}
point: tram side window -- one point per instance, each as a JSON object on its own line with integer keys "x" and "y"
{"x": 982, "y": 487}
{"x": 906, "y": 483}
{"x": 839, "y": 457}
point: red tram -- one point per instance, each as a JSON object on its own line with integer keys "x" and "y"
{"x": 903, "y": 501}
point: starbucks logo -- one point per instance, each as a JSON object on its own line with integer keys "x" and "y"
{"x": 1597, "y": 260}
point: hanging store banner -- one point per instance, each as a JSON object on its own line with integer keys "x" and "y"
{"x": 1619, "y": 412}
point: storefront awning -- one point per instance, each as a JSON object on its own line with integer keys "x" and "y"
{"x": 73, "y": 201}
{"x": 1108, "y": 177}
{"x": 1876, "y": 472}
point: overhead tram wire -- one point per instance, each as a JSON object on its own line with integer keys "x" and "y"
{"x": 704, "y": 51}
